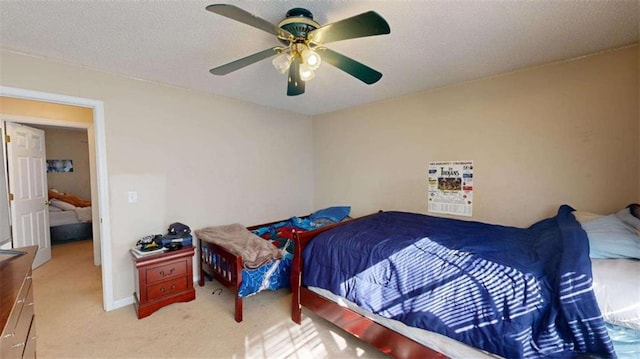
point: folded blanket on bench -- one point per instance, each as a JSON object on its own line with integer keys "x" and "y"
{"x": 238, "y": 240}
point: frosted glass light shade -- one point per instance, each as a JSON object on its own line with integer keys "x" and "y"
{"x": 306, "y": 73}
{"x": 311, "y": 58}
{"x": 282, "y": 62}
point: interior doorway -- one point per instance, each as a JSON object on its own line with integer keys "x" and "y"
{"x": 98, "y": 168}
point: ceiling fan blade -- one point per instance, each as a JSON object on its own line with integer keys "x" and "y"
{"x": 365, "y": 24}
{"x": 354, "y": 68}
{"x": 236, "y": 13}
{"x": 295, "y": 86}
{"x": 245, "y": 61}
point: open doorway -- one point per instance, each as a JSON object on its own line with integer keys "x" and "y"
{"x": 68, "y": 185}
{"x": 99, "y": 180}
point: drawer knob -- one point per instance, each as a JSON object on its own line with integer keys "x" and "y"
{"x": 17, "y": 345}
{"x": 9, "y": 335}
{"x": 162, "y": 273}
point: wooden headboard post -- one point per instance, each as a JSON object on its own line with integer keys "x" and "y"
{"x": 296, "y": 278}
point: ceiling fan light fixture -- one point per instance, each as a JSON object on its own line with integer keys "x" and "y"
{"x": 306, "y": 72}
{"x": 282, "y": 62}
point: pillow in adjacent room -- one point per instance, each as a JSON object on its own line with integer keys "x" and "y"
{"x": 610, "y": 237}
{"x": 62, "y": 205}
{"x": 616, "y": 284}
{"x": 335, "y": 214}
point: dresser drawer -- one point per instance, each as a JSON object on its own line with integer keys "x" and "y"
{"x": 30, "y": 346}
{"x": 26, "y": 317}
{"x": 15, "y": 332}
{"x": 25, "y": 296}
{"x": 164, "y": 272}
{"x": 169, "y": 287}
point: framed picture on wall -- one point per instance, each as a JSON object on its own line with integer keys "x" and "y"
{"x": 59, "y": 166}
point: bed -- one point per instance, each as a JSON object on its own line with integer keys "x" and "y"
{"x": 69, "y": 219}
{"x": 268, "y": 269}
{"x": 420, "y": 286}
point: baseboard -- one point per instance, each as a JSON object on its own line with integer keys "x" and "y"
{"x": 123, "y": 302}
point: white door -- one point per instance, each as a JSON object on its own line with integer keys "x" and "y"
{"x": 27, "y": 167}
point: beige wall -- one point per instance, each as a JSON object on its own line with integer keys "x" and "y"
{"x": 69, "y": 145}
{"x": 193, "y": 158}
{"x": 561, "y": 133}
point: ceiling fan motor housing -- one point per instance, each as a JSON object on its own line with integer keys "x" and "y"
{"x": 299, "y": 22}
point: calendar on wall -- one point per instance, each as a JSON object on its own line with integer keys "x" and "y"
{"x": 451, "y": 187}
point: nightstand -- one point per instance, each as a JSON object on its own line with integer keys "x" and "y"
{"x": 163, "y": 279}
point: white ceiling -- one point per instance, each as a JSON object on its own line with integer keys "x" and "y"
{"x": 432, "y": 43}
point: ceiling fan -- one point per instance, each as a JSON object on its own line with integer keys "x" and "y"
{"x": 303, "y": 41}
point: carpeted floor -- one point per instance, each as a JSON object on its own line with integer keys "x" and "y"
{"x": 71, "y": 323}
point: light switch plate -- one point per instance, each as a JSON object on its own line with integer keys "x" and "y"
{"x": 132, "y": 197}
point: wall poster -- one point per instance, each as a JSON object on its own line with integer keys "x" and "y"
{"x": 59, "y": 165}
{"x": 451, "y": 187}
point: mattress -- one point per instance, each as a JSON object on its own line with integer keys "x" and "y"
{"x": 58, "y": 218}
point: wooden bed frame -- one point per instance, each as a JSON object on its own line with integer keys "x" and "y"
{"x": 225, "y": 267}
{"x": 388, "y": 341}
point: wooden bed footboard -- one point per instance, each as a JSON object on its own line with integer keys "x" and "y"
{"x": 226, "y": 267}
{"x": 223, "y": 266}
{"x": 386, "y": 340}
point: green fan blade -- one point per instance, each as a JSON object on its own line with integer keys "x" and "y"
{"x": 245, "y": 61}
{"x": 236, "y": 13}
{"x": 295, "y": 86}
{"x": 365, "y": 24}
{"x": 354, "y": 68}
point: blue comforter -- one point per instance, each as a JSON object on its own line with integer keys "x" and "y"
{"x": 515, "y": 292}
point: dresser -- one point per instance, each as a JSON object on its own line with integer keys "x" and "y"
{"x": 163, "y": 279}
{"x": 17, "y": 317}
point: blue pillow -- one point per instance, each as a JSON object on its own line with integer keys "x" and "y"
{"x": 335, "y": 214}
{"x": 610, "y": 237}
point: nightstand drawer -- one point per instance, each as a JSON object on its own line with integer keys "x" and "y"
{"x": 174, "y": 269}
{"x": 166, "y": 288}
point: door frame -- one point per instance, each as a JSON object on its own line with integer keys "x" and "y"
{"x": 95, "y": 134}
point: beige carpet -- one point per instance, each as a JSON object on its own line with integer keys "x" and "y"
{"x": 71, "y": 323}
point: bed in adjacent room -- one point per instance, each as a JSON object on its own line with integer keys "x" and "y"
{"x": 421, "y": 286}
{"x": 70, "y": 218}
